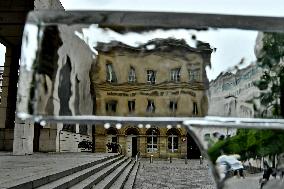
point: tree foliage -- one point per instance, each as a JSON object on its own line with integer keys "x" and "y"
{"x": 271, "y": 83}
{"x": 250, "y": 143}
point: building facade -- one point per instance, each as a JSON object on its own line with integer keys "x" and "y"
{"x": 163, "y": 77}
{"x": 229, "y": 93}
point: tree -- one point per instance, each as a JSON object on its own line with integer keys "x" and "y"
{"x": 271, "y": 83}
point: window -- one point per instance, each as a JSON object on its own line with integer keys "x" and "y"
{"x": 151, "y": 106}
{"x": 173, "y": 143}
{"x": 194, "y": 75}
{"x": 131, "y": 75}
{"x": 175, "y": 75}
{"x": 195, "y": 109}
{"x": 173, "y": 140}
{"x": 152, "y": 140}
{"x": 151, "y": 76}
{"x": 131, "y": 106}
{"x": 111, "y": 106}
{"x": 173, "y": 106}
{"x": 110, "y": 76}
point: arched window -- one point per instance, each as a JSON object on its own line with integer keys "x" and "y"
{"x": 152, "y": 140}
{"x": 132, "y": 131}
{"x": 173, "y": 137}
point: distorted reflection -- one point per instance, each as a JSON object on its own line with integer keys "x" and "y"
{"x": 249, "y": 158}
{"x": 88, "y": 70}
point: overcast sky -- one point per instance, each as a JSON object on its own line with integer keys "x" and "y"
{"x": 231, "y": 45}
{"x": 248, "y": 7}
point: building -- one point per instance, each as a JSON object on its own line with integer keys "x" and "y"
{"x": 163, "y": 77}
{"x": 229, "y": 93}
{"x": 233, "y": 95}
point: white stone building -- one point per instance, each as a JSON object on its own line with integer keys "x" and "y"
{"x": 229, "y": 93}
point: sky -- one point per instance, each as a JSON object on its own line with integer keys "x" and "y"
{"x": 232, "y": 45}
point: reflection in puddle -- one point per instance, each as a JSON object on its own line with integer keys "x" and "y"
{"x": 82, "y": 70}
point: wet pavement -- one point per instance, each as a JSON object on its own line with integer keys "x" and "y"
{"x": 166, "y": 175}
{"x": 251, "y": 181}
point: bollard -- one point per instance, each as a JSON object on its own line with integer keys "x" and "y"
{"x": 201, "y": 160}
{"x": 185, "y": 159}
{"x": 170, "y": 159}
{"x": 151, "y": 159}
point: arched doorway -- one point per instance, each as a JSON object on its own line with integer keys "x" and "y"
{"x": 193, "y": 151}
{"x": 112, "y": 140}
{"x": 131, "y": 142}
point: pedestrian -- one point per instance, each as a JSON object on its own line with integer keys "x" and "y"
{"x": 241, "y": 173}
{"x": 266, "y": 174}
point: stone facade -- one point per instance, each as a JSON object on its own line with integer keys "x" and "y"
{"x": 164, "y": 77}
{"x": 229, "y": 93}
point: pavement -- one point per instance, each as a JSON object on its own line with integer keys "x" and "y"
{"x": 19, "y": 169}
{"x": 176, "y": 175}
{"x": 251, "y": 181}
{"x": 160, "y": 174}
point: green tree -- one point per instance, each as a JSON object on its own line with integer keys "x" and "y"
{"x": 271, "y": 83}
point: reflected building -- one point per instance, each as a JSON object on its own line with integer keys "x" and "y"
{"x": 163, "y": 77}
{"x": 230, "y": 94}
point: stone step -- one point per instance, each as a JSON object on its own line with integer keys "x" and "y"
{"x": 72, "y": 179}
{"x": 98, "y": 176}
{"x": 124, "y": 176}
{"x": 113, "y": 177}
{"x": 42, "y": 179}
{"x": 132, "y": 177}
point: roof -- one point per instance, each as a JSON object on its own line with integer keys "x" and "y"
{"x": 158, "y": 44}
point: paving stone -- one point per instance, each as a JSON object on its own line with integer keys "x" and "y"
{"x": 162, "y": 174}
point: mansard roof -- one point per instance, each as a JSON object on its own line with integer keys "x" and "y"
{"x": 158, "y": 44}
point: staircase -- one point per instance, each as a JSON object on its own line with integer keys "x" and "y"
{"x": 115, "y": 172}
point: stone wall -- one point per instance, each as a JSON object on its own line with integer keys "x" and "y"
{"x": 125, "y": 142}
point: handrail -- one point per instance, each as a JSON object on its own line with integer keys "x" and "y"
{"x": 137, "y": 156}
